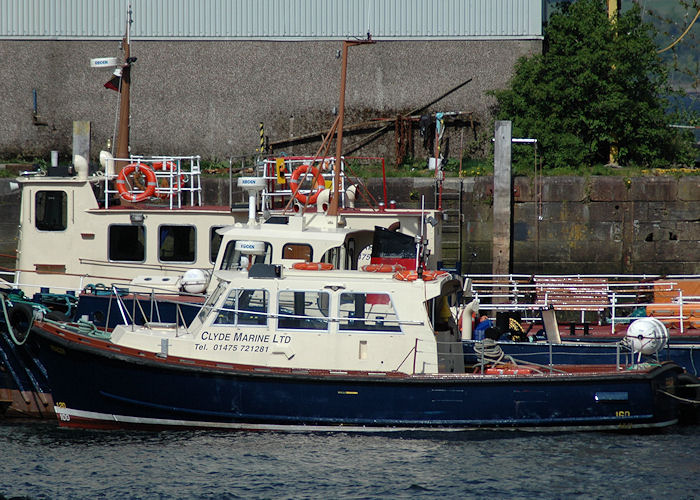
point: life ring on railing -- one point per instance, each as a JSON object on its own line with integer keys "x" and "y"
{"x": 316, "y": 176}
{"x": 168, "y": 166}
{"x": 125, "y": 193}
{"x": 313, "y": 266}
{"x": 383, "y": 268}
{"x": 411, "y": 275}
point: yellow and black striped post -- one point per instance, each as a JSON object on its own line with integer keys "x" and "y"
{"x": 262, "y": 138}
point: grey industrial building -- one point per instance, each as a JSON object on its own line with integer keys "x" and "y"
{"x": 208, "y": 72}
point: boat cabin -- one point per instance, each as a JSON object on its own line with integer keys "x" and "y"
{"x": 273, "y": 316}
{"x": 76, "y": 231}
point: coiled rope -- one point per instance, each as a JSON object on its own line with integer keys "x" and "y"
{"x": 490, "y": 353}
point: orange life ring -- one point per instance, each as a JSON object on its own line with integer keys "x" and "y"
{"x": 317, "y": 177}
{"x": 168, "y": 166}
{"x": 125, "y": 193}
{"x": 313, "y": 266}
{"x": 413, "y": 275}
{"x": 383, "y": 268}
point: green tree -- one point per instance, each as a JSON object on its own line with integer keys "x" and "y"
{"x": 599, "y": 83}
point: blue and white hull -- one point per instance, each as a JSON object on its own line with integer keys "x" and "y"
{"x": 101, "y": 385}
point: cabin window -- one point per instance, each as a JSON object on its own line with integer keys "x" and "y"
{"x": 127, "y": 242}
{"x": 303, "y": 310}
{"x": 176, "y": 243}
{"x": 244, "y": 307}
{"x": 244, "y": 253}
{"x": 214, "y": 243}
{"x": 297, "y": 251}
{"x": 367, "y": 312}
{"x": 51, "y": 210}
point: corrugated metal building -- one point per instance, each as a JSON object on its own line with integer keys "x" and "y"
{"x": 273, "y": 19}
{"x": 209, "y": 70}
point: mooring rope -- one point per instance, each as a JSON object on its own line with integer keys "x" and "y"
{"x": 685, "y": 400}
{"x": 493, "y": 354}
{"x": 489, "y": 352}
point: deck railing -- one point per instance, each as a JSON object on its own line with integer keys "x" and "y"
{"x": 178, "y": 179}
{"x": 614, "y": 299}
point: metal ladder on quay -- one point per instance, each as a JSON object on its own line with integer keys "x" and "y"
{"x": 450, "y": 199}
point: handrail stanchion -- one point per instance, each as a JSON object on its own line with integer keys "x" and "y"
{"x": 613, "y": 302}
{"x": 415, "y": 355}
{"x": 482, "y": 359}
{"x": 680, "y": 307}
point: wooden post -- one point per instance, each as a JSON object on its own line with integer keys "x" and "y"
{"x": 502, "y": 199}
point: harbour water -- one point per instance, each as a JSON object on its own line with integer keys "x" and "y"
{"x": 41, "y": 461}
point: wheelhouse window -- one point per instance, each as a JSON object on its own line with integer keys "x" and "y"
{"x": 297, "y": 251}
{"x": 51, "y": 209}
{"x": 214, "y": 243}
{"x": 176, "y": 243}
{"x": 368, "y": 312}
{"x": 211, "y": 301}
{"x": 244, "y": 307}
{"x": 303, "y": 310}
{"x": 127, "y": 243}
{"x": 243, "y": 253}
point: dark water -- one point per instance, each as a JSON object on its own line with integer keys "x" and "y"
{"x": 42, "y": 461}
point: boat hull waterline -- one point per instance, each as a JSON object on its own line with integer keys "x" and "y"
{"x": 128, "y": 388}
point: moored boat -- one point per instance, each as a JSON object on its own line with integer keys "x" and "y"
{"x": 288, "y": 349}
{"x": 142, "y": 224}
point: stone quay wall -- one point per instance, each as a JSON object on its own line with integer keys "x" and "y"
{"x": 583, "y": 225}
{"x": 208, "y": 97}
{"x": 576, "y": 225}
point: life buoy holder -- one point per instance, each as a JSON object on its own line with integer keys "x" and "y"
{"x": 313, "y": 266}
{"x": 461, "y": 319}
{"x": 318, "y": 178}
{"x": 383, "y": 268}
{"x": 168, "y": 166}
{"x": 410, "y": 275}
{"x": 125, "y": 193}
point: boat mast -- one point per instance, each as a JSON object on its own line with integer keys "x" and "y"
{"x": 333, "y": 208}
{"x": 124, "y": 109}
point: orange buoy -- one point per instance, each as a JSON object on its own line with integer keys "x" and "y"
{"x": 318, "y": 178}
{"x": 413, "y": 275}
{"x": 313, "y": 266}
{"x": 383, "y": 268}
{"x": 125, "y": 193}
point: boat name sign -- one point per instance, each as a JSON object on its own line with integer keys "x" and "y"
{"x": 217, "y": 339}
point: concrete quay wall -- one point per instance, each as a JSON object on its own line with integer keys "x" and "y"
{"x": 591, "y": 225}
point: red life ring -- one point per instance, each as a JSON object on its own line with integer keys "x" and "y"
{"x": 125, "y": 193}
{"x": 316, "y": 176}
{"x": 168, "y": 166}
{"x": 413, "y": 275}
{"x": 313, "y": 266}
{"x": 383, "y": 268}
